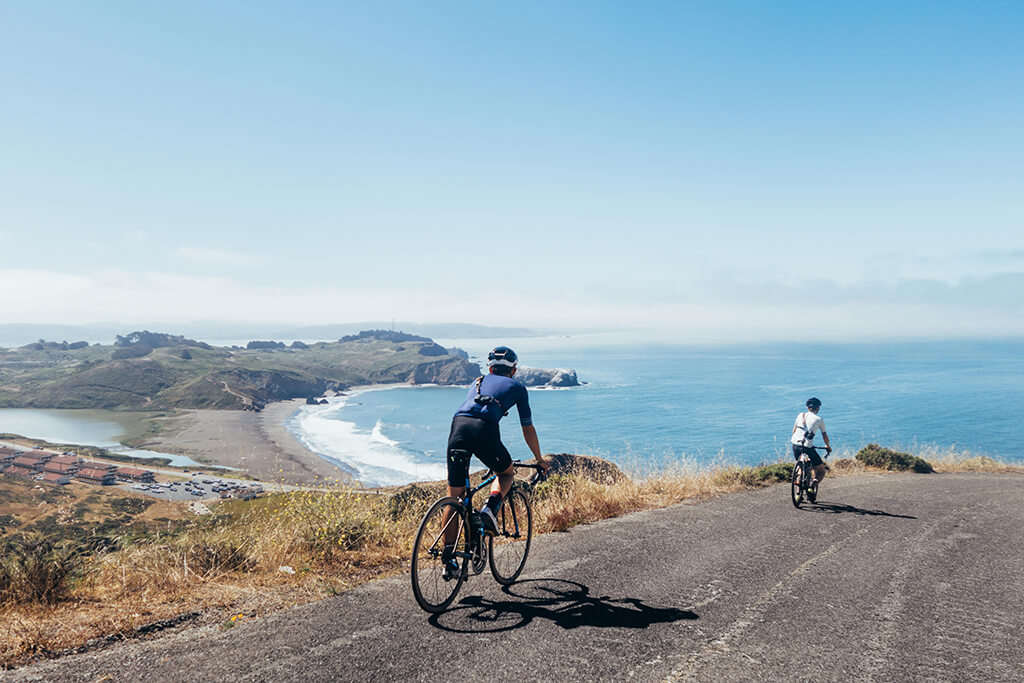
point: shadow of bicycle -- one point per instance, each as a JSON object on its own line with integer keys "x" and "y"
{"x": 839, "y": 508}
{"x": 568, "y": 604}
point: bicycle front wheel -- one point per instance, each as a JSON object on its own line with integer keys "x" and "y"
{"x": 434, "y": 584}
{"x": 511, "y": 545}
{"x": 796, "y": 488}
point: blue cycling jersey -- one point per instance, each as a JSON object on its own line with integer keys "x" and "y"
{"x": 507, "y": 393}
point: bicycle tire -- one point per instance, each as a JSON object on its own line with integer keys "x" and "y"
{"x": 511, "y": 546}
{"x": 796, "y": 489}
{"x": 433, "y": 593}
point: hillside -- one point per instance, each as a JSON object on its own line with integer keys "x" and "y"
{"x": 145, "y": 370}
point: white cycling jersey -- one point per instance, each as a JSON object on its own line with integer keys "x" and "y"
{"x": 807, "y": 425}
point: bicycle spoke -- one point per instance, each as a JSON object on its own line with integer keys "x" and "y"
{"x": 511, "y": 546}
{"x": 434, "y": 585}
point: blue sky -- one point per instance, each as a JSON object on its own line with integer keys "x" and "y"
{"x": 710, "y": 169}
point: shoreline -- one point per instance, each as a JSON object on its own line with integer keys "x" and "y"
{"x": 259, "y": 444}
{"x": 256, "y": 443}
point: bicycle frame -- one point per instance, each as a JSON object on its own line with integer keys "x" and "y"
{"x": 474, "y": 532}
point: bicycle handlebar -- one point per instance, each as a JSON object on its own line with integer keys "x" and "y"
{"x": 520, "y": 463}
{"x": 536, "y": 478}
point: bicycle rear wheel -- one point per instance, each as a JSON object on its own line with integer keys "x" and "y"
{"x": 434, "y": 588}
{"x": 511, "y": 545}
{"x": 796, "y": 489}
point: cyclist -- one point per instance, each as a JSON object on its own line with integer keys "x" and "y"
{"x": 475, "y": 432}
{"x": 806, "y": 426}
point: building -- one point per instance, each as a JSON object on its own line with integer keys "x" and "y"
{"x": 19, "y": 471}
{"x": 66, "y": 459}
{"x": 54, "y": 478}
{"x": 8, "y": 454}
{"x": 92, "y": 475}
{"x": 60, "y": 468}
{"x": 28, "y": 463}
{"x": 134, "y": 474}
{"x": 37, "y": 456}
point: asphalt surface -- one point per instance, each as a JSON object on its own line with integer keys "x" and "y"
{"x": 889, "y": 577}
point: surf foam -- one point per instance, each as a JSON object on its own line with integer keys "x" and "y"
{"x": 370, "y": 456}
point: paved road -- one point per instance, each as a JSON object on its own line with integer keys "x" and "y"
{"x": 891, "y": 577}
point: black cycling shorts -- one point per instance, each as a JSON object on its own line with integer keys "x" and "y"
{"x": 474, "y": 436}
{"x": 811, "y": 453}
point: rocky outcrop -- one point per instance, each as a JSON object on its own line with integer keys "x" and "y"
{"x": 264, "y": 345}
{"x": 385, "y": 335}
{"x": 537, "y": 377}
{"x": 588, "y": 466}
{"x": 598, "y": 470}
{"x": 432, "y": 350}
{"x": 239, "y": 388}
{"x": 447, "y": 371}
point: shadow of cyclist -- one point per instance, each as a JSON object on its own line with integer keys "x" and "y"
{"x": 566, "y": 603}
{"x": 839, "y": 508}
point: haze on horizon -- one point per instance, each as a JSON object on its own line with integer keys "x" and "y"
{"x": 736, "y": 171}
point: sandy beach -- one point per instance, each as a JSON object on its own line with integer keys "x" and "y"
{"x": 257, "y": 443}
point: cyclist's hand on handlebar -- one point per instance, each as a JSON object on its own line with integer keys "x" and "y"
{"x": 544, "y": 463}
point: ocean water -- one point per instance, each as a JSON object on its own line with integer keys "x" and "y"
{"x": 648, "y": 407}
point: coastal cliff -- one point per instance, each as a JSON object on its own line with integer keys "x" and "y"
{"x": 145, "y": 370}
{"x": 538, "y": 377}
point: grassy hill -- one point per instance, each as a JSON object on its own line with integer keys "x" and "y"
{"x": 157, "y": 371}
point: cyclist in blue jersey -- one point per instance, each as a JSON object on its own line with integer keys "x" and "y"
{"x": 475, "y": 431}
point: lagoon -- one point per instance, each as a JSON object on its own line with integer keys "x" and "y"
{"x": 102, "y": 428}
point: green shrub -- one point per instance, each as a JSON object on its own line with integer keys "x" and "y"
{"x": 779, "y": 471}
{"x": 335, "y": 520}
{"x": 213, "y": 556}
{"x": 874, "y": 455}
{"x": 412, "y": 500}
{"x": 754, "y": 476}
{"x": 35, "y": 570}
{"x": 554, "y": 486}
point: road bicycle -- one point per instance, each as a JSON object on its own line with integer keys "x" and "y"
{"x": 800, "y": 485}
{"x": 451, "y": 545}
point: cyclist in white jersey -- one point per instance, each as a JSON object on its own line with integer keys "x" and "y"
{"x": 806, "y": 426}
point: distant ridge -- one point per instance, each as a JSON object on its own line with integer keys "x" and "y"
{"x": 157, "y": 370}
{"x": 18, "y": 334}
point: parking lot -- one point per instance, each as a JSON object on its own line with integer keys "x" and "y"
{"x": 198, "y": 487}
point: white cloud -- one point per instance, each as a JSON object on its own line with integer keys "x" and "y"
{"x": 218, "y": 257}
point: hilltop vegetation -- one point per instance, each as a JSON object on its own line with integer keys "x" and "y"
{"x": 146, "y": 370}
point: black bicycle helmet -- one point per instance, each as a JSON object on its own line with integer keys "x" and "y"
{"x": 502, "y": 355}
{"x": 814, "y": 403}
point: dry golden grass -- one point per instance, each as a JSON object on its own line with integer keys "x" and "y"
{"x": 256, "y": 557}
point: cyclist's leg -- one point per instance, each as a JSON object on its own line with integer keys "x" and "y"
{"x": 459, "y": 453}
{"x": 817, "y": 463}
{"x": 797, "y": 452}
{"x": 492, "y": 452}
